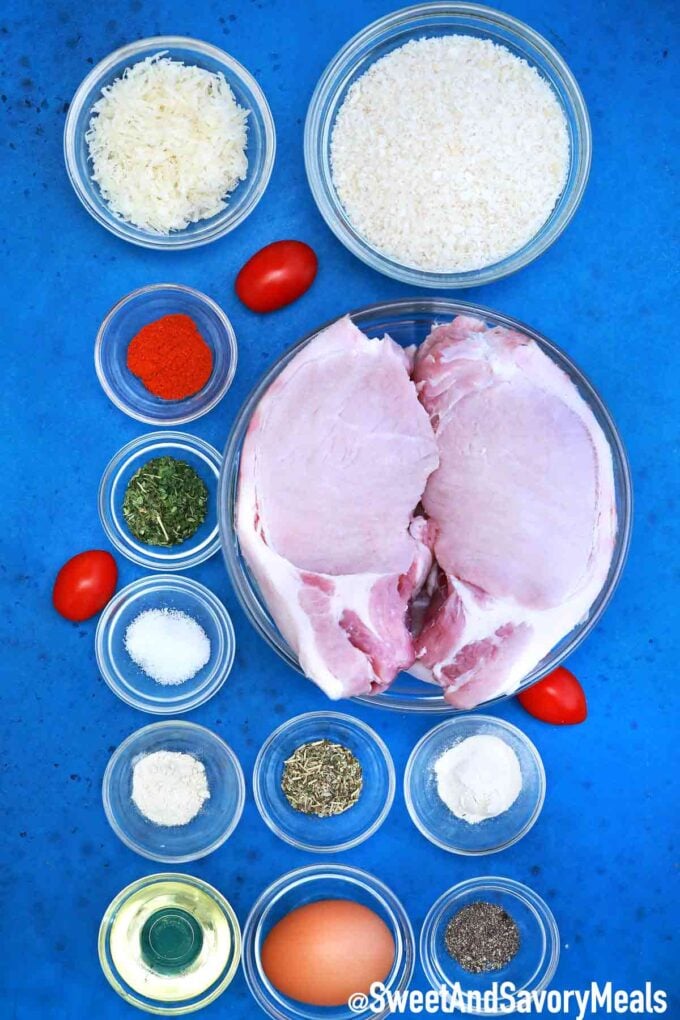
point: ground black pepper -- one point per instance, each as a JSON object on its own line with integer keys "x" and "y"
{"x": 482, "y": 937}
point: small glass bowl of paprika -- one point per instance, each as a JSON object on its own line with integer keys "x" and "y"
{"x": 165, "y": 354}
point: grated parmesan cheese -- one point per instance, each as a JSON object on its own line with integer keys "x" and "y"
{"x": 167, "y": 144}
{"x": 449, "y": 153}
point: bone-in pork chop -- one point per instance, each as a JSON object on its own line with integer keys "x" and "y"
{"x": 522, "y": 505}
{"x": 334, "y": 463}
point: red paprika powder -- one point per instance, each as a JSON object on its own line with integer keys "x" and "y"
{"x": 170, "y": 357}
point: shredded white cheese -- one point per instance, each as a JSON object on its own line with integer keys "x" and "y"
{"x": 167, "y": 144}
{"x": 449, "y": 153}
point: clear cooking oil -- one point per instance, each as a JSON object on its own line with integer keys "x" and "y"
{"x": 169, "y": 939}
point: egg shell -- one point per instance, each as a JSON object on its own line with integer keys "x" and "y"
{"x": 322, "y": 952}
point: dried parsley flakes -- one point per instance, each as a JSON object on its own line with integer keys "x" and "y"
{"x": 322, "y": 778}
{"x": 165, "y": 502}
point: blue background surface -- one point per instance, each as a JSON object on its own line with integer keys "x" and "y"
{"x": 602, "y": 852}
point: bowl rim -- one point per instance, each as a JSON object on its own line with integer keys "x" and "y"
{"x": 177, "y": 241}
{"x": 405, "y": 940}
{"x": 372, "y": 738}
{"x": 478, "y": 721}
{"x": 200, "y": 732}
{"x": 336, "y": 76}
{"x": 492, "y": 883}
{"x": 160, "y": 562}
{"x": 167, "y": 582}
{"x": 228, "y": 334}
{"x": 435, "y": 306}
{"x": 167, "y": 1009}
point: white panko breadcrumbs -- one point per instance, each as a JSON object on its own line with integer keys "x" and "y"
{"x": 449, "y": 154}
{"x": 167, "y": 144}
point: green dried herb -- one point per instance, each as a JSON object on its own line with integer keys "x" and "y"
{"x": 166, "y": 502}
{"x": 322, "y": 778}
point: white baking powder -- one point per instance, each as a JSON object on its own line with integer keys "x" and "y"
{"x": 479, "y": 777}
{"x": 169, "y": 787}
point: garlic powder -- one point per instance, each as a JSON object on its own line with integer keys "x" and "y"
{"x": 169, "y": 787}
{"x": 478, "y": 778}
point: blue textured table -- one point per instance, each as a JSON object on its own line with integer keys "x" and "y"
{"x": 601, "y": 853}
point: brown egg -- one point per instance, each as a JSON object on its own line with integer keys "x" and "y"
{"x": 321, "y": 953}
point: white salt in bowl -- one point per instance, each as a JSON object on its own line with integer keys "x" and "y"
{"x": 125, "y": 678}
{"x": 218, "y": 816}
{"x": 433, "y": 818}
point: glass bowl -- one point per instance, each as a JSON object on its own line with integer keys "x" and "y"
{"x": 432, "y": 817}
{"x": 216, "y": 820}
{"x": 145, "y": 897}
{"x": 393, "y": 31}
{"x": 339, "y": 832}
{"x": 260, "y": 150}
{"x": 125, "y": 678}
{"x": 531, "y": 969}
{"x": 125, "y": 320}
{"x": 409, "y": 321}
{"x": 206, "y": 462}
{"x": 307, "y": 885}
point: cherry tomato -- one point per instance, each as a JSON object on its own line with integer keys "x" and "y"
{"x": 276, "y": 275}
{"x": 557, "y": 698}
{"x": 85, "y": 584}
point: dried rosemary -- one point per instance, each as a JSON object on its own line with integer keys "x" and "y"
{"x": 322, "y": 778}
{"x": 165, "y": 502}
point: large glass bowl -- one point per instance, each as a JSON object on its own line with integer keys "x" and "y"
{"x": 409, "y": 321}
{"x": 260, "y": 149}
{"x": 423, "y": 21}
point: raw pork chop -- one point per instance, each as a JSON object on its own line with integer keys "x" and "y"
{"x": 522, "y": 503}
{"x": 334, "y": 462}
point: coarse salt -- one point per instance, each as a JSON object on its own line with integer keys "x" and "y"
{"x": 170, "y": 646}
{"x": 449, "y": 153}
